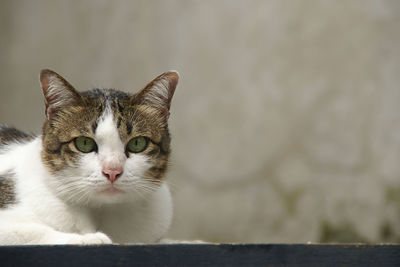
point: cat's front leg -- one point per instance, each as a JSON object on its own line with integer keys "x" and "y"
{"x": 24, "y": 234}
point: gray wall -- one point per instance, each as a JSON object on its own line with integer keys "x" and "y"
{"x": 286, "y": 121}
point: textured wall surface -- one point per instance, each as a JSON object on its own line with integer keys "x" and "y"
{"x": 286, "y": 121}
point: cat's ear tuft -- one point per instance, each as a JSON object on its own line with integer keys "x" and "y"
{"x": 159, "y": 92}
{"x": 57, "y": 92}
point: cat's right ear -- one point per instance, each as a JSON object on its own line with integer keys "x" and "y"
{"x": 57, "y": 93}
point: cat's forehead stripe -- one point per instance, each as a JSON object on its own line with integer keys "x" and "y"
{"x": 94, "y": 126}
{"x": 107, "y": 101}
{"x": 128, "y": 128}
{"x": 119, "y": 122}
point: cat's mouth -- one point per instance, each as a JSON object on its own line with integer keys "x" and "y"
{"x": 112, "y": 190}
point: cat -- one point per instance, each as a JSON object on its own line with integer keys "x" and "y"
{"x": 96, "y": 174}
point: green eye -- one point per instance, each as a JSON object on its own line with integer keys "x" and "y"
{"x": 137, "y": 144}
{"x": 85, "y": 144}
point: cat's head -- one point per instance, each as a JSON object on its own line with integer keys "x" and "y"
{"x": 103, "y": 145}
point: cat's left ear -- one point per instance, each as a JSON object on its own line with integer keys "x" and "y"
{"x": 57, "y": 93}
{"x": 158, "y": 93}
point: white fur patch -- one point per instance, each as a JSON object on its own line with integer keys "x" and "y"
{"x": 111, "y": 149}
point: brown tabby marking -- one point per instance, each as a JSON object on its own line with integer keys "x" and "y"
{"x": 7, "y": 191}
{"x": 10, "y": 135}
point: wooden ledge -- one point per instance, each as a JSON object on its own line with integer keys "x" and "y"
{"x": 202, "y": 255}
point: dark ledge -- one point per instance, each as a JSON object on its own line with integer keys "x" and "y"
{"x": 202, "y": 255}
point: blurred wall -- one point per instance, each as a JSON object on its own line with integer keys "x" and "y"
{"x": 286, "y": 120}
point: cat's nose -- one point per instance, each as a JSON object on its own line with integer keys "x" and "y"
{"x": 112, "y": 174}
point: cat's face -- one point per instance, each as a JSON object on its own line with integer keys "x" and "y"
{"x": 106, "y": 146}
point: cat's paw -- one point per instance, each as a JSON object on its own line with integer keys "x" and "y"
{"x": 90, "y": 239}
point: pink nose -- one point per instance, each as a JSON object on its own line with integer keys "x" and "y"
{"x": 112, "y": 174}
